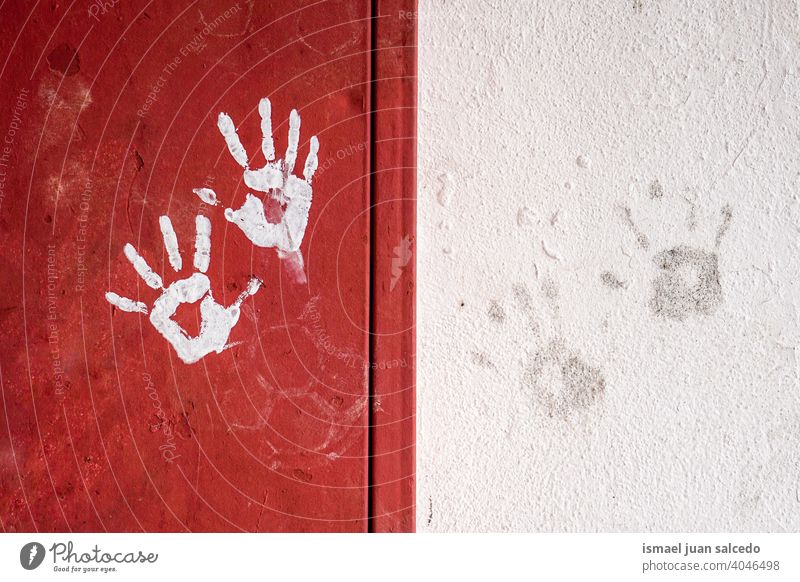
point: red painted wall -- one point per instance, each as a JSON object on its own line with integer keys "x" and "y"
{"x": 109, "y": 123}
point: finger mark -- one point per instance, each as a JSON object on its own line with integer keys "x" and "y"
{"x": 145, "y": 272}
{"x": 294, "y": 140}
{"x": 202, "y": 244}
{"x": 252, "y": 288}
{"x": 170, "y": 242}
{"x": 126, "y": 304}
{"x": 207, "y": 195}
{"x": 311, "y": 160}
{"x": 295, "y": 217}
{"x": 228, "y": 131}
{"x": 267, "y": 143}
{"x": 294, "y": 264}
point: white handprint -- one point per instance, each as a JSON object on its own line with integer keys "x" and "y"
{"x": 277, "y": 180}
{"x": 216, "y": 321}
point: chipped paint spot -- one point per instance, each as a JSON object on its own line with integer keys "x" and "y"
{"x": 443, "y": 194}
{"x": 524, "y": 216}
{"x": 64, "y": 60}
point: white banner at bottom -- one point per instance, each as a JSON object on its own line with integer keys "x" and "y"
{"x": 406, "y": 557}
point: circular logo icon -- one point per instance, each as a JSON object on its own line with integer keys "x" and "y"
{"x": 31, "y": 555}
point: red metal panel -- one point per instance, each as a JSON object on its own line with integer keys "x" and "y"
{"x": 393, "y": 210}
{"x": 110, "y": 122}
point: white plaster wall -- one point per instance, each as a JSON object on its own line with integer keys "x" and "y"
{"x": 559, "y": 390}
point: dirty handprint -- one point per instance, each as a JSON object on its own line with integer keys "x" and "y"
{"x": 688, "y": 281}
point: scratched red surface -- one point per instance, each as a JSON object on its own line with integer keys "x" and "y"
{"x": 109, "y": 122}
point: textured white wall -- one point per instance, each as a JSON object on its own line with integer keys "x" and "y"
{"x": 608, "y": 265}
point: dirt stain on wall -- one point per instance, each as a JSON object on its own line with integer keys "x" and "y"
{"x": 562, "y": 382}
{"x": 688, "y": 283}
{"x": 525, "y": 301}
{"x": 496, "y": 312}
{"x": 627, "y": 217}
{"x": 656, "y": 190}
{"x": 727, "y": 218}
{"x": 688, "y": 278}
{"x": 610, "y": 280}
{"x": 558, "y": 377}
{"x": 482, "y": 359}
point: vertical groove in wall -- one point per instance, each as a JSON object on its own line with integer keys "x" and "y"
{"x": 372, "y": 241}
